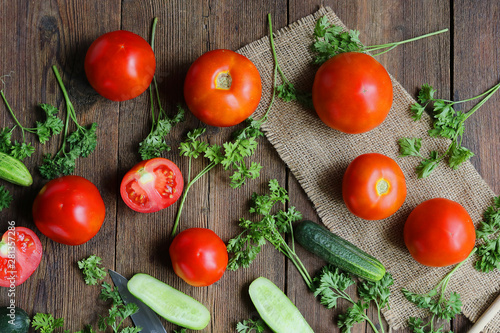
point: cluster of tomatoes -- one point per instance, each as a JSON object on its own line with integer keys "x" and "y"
{"x": 352, "y": 93}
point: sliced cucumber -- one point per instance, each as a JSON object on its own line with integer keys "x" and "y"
{"x": 170, "y": 303}
{"x": 279, "y": 313}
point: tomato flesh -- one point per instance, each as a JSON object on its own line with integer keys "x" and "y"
{"x": 28, "y": 254}
{"x": 152, "y": 185}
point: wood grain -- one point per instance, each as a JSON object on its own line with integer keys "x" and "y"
{"x": 37, "y": 34}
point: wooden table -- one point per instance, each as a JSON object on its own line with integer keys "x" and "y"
{"x": 35, "y": 35}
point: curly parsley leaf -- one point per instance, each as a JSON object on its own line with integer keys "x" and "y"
{"x": 46, "y": 323}
{"x": 489, "y": 232}
{"x": 446, "y": 123}
{"x": 118, "y": 311}
{"x": 21, "y": 150}
{"x": 52, "y": 124}
{"x": 250, "y": 325}
{"x": 154, "y": 144}
{"x": 91, "y": 269}
{"x": 5, "y": 198}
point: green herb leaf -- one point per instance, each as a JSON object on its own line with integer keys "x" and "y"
{"x": 426, "y": 93}
{"x": 331, "y": 285}
{"x": 249, "y": 325}
{"x": 91, "y": 271}
{"x": 5, "y": 140}
{"x": 52, "y": 125}
{"x": 426, "y": 166}
{"x": 489, "y": 233}
{"x": 5, "y": 198}
{"x": 378, "y": 292}
{"x": 417, "y": 111}
{"x": 21, "y": 150}
{"x": 46, "y": 323}
{"x": 410, "y": 147}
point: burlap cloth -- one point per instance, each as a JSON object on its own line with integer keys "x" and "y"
{"x": 318, "y": 156}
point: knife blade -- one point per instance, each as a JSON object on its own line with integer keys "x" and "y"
{"x": 145, "y": 317}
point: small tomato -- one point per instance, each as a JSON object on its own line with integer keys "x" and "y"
{"x": 373, "y": 187}
{"x": 222, "y": 88}
{"x": 439, "y": 232}
{"x": 199, "y": 256}
{"x": 69, "y": 210}
{"x": 352, "y": 92}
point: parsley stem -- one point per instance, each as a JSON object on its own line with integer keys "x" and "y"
{"x": 186, "y": 190}
{"x": 12, "y": 113}
{"x": 392, "y": 45}
{"x": 489, "y": 93}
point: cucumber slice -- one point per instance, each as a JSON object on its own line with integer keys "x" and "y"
{"x": 170, "y": 303}
{"x": 279, "y": 313}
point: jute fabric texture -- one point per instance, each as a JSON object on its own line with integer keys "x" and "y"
{"x": 318, "y": 156}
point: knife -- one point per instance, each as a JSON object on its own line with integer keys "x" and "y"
{"x": 145, "y": 317}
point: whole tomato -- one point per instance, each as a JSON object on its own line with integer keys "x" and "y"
{"x": 352, "y": 92}
{"x": 199, "y": 256}
{"x": 152, "y": 185}
{"x": 120, "y": 65}
{"x": 222, "y": 88}
{"x": 373, "y": 187}
{"x": 20, "y": 255}
{"x": 69, "y": 210}
{"x": 439, "y": 232}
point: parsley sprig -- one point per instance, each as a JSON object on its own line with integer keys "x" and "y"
{"x": 331, "y": 285}
{"x": 270, "y": 228}
{"x": 447, "y": 123}
{"x": 154, "y": 144}
{"x": 330, "y": 40}
{"x": 46, "y": 323}
{"x": 231, "y": 155}
{"x": 44, "y": 130}
{"x": 286, "y": 90}
{"x": 489, "y": 232}
{"x": 250, "y": 325}
{"x": 80, "y": 143}
{"x": 119, "y": 311}
{"x": 436, "y": 303}
{"x": 91, "y": 270}
{"x": 5, "y": 198}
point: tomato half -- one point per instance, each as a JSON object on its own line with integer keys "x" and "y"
{"x": 20, "y": 255}
{"x": 120, "y": 65}
{"x": 439, "y": 232}
{"x": 152, "y": 185}
{"x": 199, "y": 256}
{"x": 222, "y": 88}
{"x": 352, "y": 92}
{"x": 374, "y": 187}
{"x": 69, "y": 210}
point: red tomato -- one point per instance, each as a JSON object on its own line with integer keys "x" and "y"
{"x": 373, "y": 187}
{"x": 352, "y": 92}
{"x": 69, "y": 210}
{"x": 120, "y": 65}
{"x": 152, "y": 185}
{"x": 20, "y": 255}
{"x": 439, "y": 232}
{"x": 199, "y": 256}
{"x": 222, "y": 88}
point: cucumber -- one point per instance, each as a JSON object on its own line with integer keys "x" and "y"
{"x": 277, "y": 311}
{"x": 170, "y": 303}
{"x": 14, "y": 320}
{"x": 337, "y": 251}
{"x": 14, "y": 171}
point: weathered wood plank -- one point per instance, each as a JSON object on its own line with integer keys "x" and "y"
{"x": 35, "y": 36}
